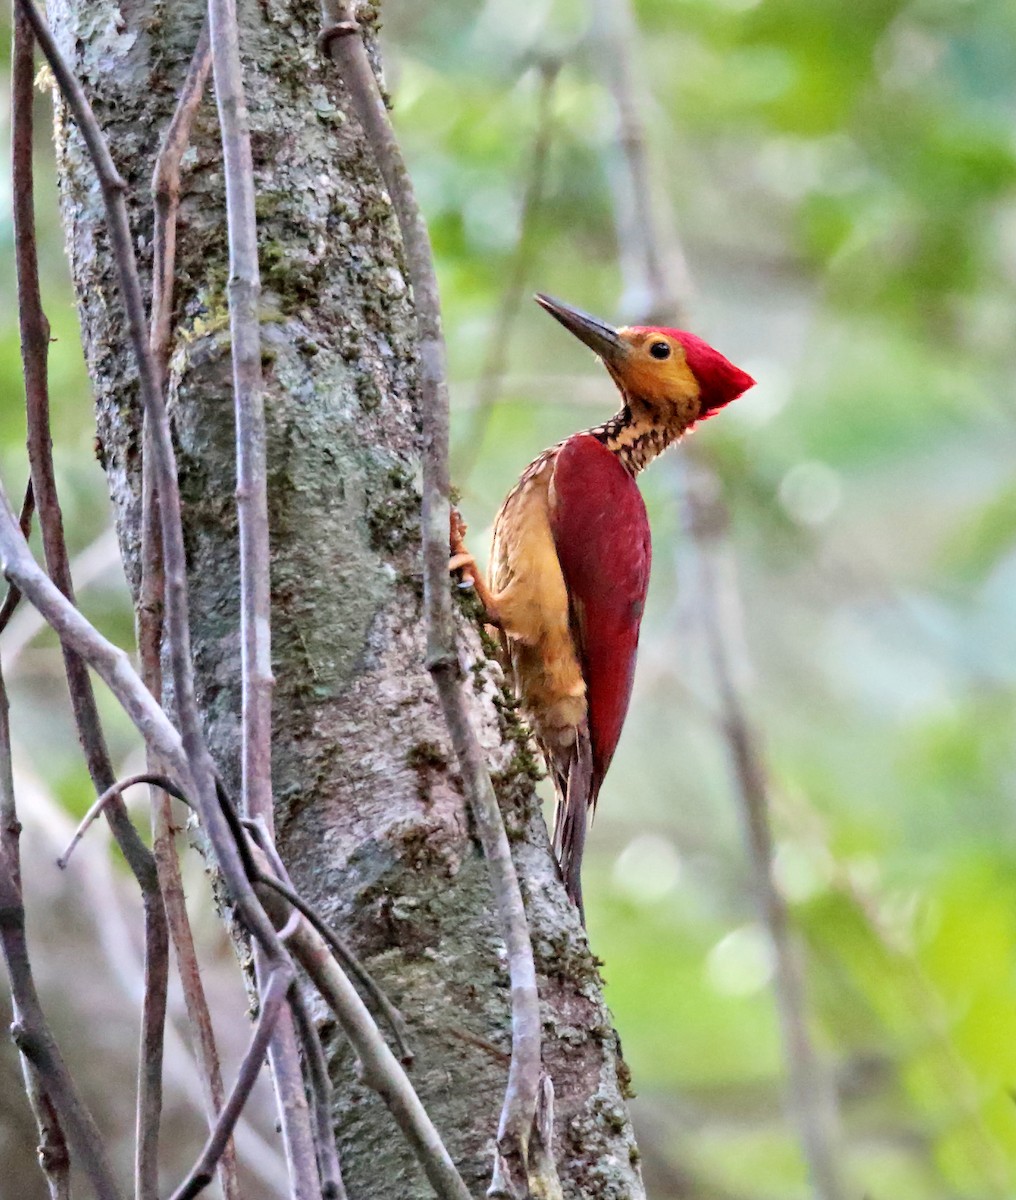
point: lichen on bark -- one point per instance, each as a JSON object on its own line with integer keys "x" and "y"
{"x": 370, "y": 815}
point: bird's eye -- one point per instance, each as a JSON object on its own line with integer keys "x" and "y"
{"x": 659, "y": 350}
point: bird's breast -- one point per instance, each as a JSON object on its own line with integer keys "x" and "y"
{"x": 533, "y": 604}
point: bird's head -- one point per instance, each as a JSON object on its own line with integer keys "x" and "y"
{"x": 674, "y": 377}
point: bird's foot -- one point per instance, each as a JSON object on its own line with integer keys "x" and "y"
{"x": 461, "y": 560}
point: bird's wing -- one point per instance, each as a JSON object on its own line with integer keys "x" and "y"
{"x": 601, "y": 534}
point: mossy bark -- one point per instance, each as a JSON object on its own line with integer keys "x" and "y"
{"x": 370, "y": 815}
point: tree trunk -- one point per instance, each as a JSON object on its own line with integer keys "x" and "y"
{"x": 370, "y": 816}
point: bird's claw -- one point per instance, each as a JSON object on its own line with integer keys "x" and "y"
{"x": 470, "y": 579}
{"x": 461, "y": 559}
{"x": 467, "y": 565}
{"x": 457, "y": 532}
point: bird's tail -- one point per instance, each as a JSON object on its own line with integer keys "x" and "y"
{"x": 572, "y": 770}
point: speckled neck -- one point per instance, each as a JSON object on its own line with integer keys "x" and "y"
{"x": 635, "y": 443}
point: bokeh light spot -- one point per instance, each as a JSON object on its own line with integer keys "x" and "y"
{"x": 647, "y": 868}
{"x": 810, "y": 493}
{"x": 741, "y": 963}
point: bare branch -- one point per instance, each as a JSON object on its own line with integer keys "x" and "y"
{"x": 291, "y": 1101}
{"x": 657, "y": 279}
{"x": 248, "y": 389}
{"x": 382, "y": 1071}
{"x": 53, "y": 1151}
{"x": 13, "y": 597}
{"x": 35, "y": 348}
{"x": 33, "y": 326}
{"x": 341, "y": 40}
{"x": 255, "y": 558}
{"x": 112, "y": 793}
{"x": 115, "y": 669}
{"x": 281, "y": 883}
{"x": 34, "y": 1039}
{"x": 166, "y": 200}
{"x": 197, "y": 765}
{"x": 108, "y": 661}
{"x": 166, "y": 196}
{"x": 54, "y": 1156}
{"x": 166, "y": 203}
{"x": 316, "y": 1066}
{"x": 51, "y": 1088}
{"x": 92, "y": 564}
{"x": 273, "y": 999}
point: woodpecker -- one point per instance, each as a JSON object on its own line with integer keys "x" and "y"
{"x": 569, "y": 564}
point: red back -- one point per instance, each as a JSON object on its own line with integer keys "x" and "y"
{"x": 601, "y": 534}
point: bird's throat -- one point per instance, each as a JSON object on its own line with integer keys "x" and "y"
{"x": 635, "y": 442}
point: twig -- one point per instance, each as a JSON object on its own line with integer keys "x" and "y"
{"x": 350, "y": 963}
{"x": 382, "y": 1071}
{"x": 35, "y": 1041}
{"x": 195, "y": 771}
{"x": 316, "y": 1067}
{"x": 44, "y": 1065}
{"x": 33, "y": 325}
{"x": 88, "y": 567}
{"x": 281, "y": 883}
{"x": 166, "y": 197}
{"x": 341, "y": 39}
{"x": 166, "y": 200}
{"x": 13, "y": 597}
{"x": 244, "y": 291}
{"x": 248, "y": 390}
{"x": 273, "y": 999}
{"x": 111, "y": 663}
{"x": 111, "y": 793}
{"x": 291, "y": 1102}
{"x": 495, "y": 361}
{"x": 35, "y": 348}
{"x": 54, "y": 1156}
{"x": 53, "y": 1152}
{"x": 649, "y": 251}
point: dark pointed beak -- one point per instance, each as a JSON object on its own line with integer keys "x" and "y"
{"x": 601, "y": 338}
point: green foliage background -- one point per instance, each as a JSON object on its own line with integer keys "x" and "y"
{"x": 843, "y": 177}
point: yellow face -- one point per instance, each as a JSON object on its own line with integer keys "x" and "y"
{"x": 654, "y": 375}
{"x": 651, "y": 367}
